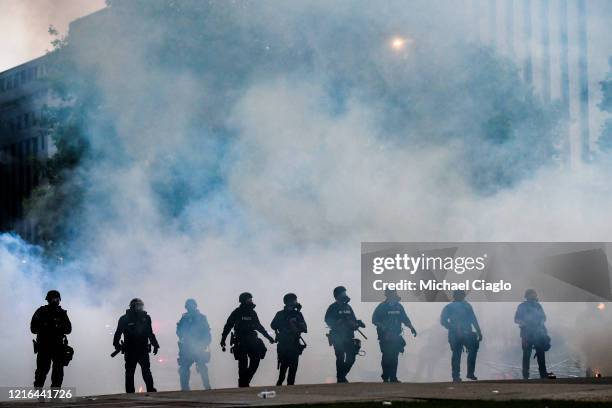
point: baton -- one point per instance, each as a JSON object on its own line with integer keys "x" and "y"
{"x": 119, "y": 350}
{"x": 360, "y": 332}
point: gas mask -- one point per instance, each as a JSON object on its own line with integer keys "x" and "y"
{"x": 54, "y": 301}
{"x": 294, "y": 306}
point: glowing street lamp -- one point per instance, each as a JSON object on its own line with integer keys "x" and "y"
{"x": 398, "y": 43}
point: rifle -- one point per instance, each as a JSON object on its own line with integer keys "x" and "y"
{"x": 119, "y": 350}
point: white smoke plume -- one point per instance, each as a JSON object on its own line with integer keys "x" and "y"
{"x": 331, "y": 139}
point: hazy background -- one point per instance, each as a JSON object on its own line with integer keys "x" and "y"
{"x": 253, "y": 147}
{"x": 25, "y": 23}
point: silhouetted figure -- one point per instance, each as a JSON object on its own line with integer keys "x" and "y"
{"x": 531, "y": 317}
{"x": 458, "y": 318}
{"x": 342, "y": 323}
{"x": 388, "y": 318}
{"x": 138, "y": 337}
{"x": 289, "y": 324}
{"x": 50, "y": 324}
{"x": 247, "y": 348}
{"x": 193, "y": 332}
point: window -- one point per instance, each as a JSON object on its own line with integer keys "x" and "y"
{"x": 34, "y": 143}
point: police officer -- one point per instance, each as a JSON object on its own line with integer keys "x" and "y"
{"x": 247, "y": 348}
{"x": 458, "y": 318}
{"x": 531, "y": 317}
{"x": 388, "y": 318}
{"x": 193, "y": 333}
{"x": 342, "y": 323}
{"x": 138, "y": 337}
{"x": 289, "y": 324}
{"x": 50, "y": 324}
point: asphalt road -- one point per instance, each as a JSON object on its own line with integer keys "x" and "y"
{"x": 596, "y": 390}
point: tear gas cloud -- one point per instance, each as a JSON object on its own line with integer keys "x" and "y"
{"x": 242, "y": 146}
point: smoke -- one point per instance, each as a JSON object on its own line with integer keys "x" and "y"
{"x": 238, "y": 146}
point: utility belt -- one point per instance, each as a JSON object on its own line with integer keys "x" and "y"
{"x": 465, "y": 338}
{"x": 388, "y": 334}
{"x": 62, "y": 347}
{"x": 292, "y": 343}
{"x": 242, "y": 344}
{"x": 339, "y": 336}
{"x": 462, "y": 334}
{"x": 130, "y": 347}
{"x": 342, "y": 340}
{"x": 197, "y": 352}
{"x": 392, "y": 341}
{"x": 538, "y": 341}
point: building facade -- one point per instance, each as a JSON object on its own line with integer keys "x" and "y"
{"x": 24, "y": 141}
{"x": 25, "y": 95}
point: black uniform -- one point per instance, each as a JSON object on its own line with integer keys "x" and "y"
{"x": 135, "y": 326}
{"x": 388, "y": 318}
{"x": 531, "y": 317}
{"x": 458, "y": 318}
{"x": 248, "y": 349}
{"x": 50, "y": 323}
{"x": 288, "y": 324}
{"x": 342, "y": 322}
{"x": 193, "y": 332}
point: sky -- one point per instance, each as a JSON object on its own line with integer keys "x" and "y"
{"x": 24, "y": 26}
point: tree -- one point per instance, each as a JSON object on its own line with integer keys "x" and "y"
{"x": 59, "y": 196}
